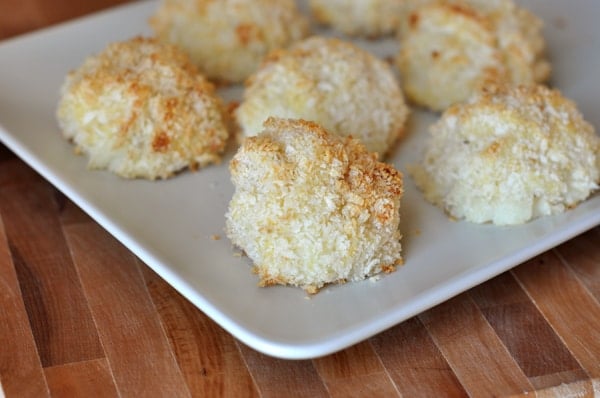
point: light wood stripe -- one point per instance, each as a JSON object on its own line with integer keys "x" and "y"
{"x": 355, "y": 372}
{"x": 207, "y": 355}
{"x": 475, "y": 353}
{"x": 21, "y": 372}
{"x": 570, "y": 309}
{"x": 135, "y": 344}
{"x": 415, "y": 363}
{"x": 81, "y": 379}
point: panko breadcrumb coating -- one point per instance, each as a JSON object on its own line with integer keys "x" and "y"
{"x": 227, "y": 39}
{"x": 453, "y": 48}
{"x": 141, "y": 109}
{"x": 370, "y": 18}
{"x": 334, "y": 83}
{"x": 509, "y": 155}
{"x": 311, "y": 208}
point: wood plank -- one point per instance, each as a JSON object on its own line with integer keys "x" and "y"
{"x": 136, "y": 346}
{"x": 526, "y": 334}
{"x": 582, "y": 388}
{"x": 415, "y": 364}
{"x": 281, "y": 378}
{"x": 58, "y": 313}
{"x": 355, "y": 372}
{"x": 475, "y": 353}
{"x": 24, "y": 15}
{"x": 570, "y": 309}
{"x": 207, "y": 355}
{"x": 81, "y": 379}
{"x": 580, "y": 256}
{"x": 21, "y": 372}
{"x": 28, "y": 15}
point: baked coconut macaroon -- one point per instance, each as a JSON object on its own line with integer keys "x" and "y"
{"x": 369, "y": 18}
{"x": 141, "y": 109}
{"x": 312, "y": 208}
{"x": 334, "y": 83}
{"x": 451, "y": 49}
{"x": 509, "y": 155}
{"x": 227, "y": 39}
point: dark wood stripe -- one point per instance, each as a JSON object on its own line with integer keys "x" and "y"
{"x": 580, "y": 256}
{"x": 570, "y": 309}
{"x": 415, "y": 363}
{"x": 136, "y": 346}
{"x": 21, "y": 372}
{"x": 280, "y": 378}
{"x": 525, "y": 333}
{"x": 60, "y": 319}
{"x": 475, "y": 353}
{"x": 356, "y": 371}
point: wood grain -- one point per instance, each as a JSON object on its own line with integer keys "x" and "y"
{"x": 80, "y": 315}
{"x": 209, "y": 357}
{"x": 20, "y": 366}
{"x": 110, "y": 274}
{"x": 81, "y": 379}
{"x": 473, "y": 350}
{"x": 356, "y": 372}
{"x": 415, "y": 363}
{"x": 571, "y": 310}
{"x": 526, "y": 334}
{"x": 50, "y": 287}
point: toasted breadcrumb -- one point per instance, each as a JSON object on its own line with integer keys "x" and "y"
{"x": 311, "y": 208}
{"x": 140, "y": 108}
{"x": 509, "y": 155}
{"x": 334, "y": 83}
{"x": 227, "y": 39}
{"x": 450, "y": 49}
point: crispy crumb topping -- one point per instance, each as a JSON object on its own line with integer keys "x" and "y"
{"x": 311, "y": 208}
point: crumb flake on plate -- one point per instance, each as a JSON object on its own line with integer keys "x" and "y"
{"x": 509, "y": 155}
{"x": 312, "y": 208}
{"x": 451, "y": 49}
{"x": 140, "y": 108}
{"x": 334, "y": 83}
{"x": 227, "y": 39}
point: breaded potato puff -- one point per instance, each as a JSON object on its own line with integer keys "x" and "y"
{"x": 453, "y": 48}
{"x": 140, "y": 108}
{"x": 312, "y": 208}
{"x": 509, "y": 155}
{"x": 332, "y": 82}
{"x": 227, "y": 39}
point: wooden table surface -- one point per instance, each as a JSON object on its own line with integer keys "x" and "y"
{"x": 80, "y": 315}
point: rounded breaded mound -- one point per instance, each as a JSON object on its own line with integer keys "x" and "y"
{"x": 453, "y": 48}
{"x": 312, "y": 208}
{"x": 334, "y": 83}
{"x": 509, "y": 155}
{"x": 227, "y": 39}
{"x": 141, "y": 109}
{"x": 370, "y": 18}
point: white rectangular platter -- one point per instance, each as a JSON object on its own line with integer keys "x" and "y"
{"x": 169, "y": 224}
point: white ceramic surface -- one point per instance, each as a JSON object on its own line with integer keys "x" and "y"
{"x": 169, "y": 224}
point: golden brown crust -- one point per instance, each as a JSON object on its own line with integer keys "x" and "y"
{"x": 326, "y": 212}
{"x": 510, "y": 154}
{"x": 141, "y": 109}
{"x": 332, "y": 82}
